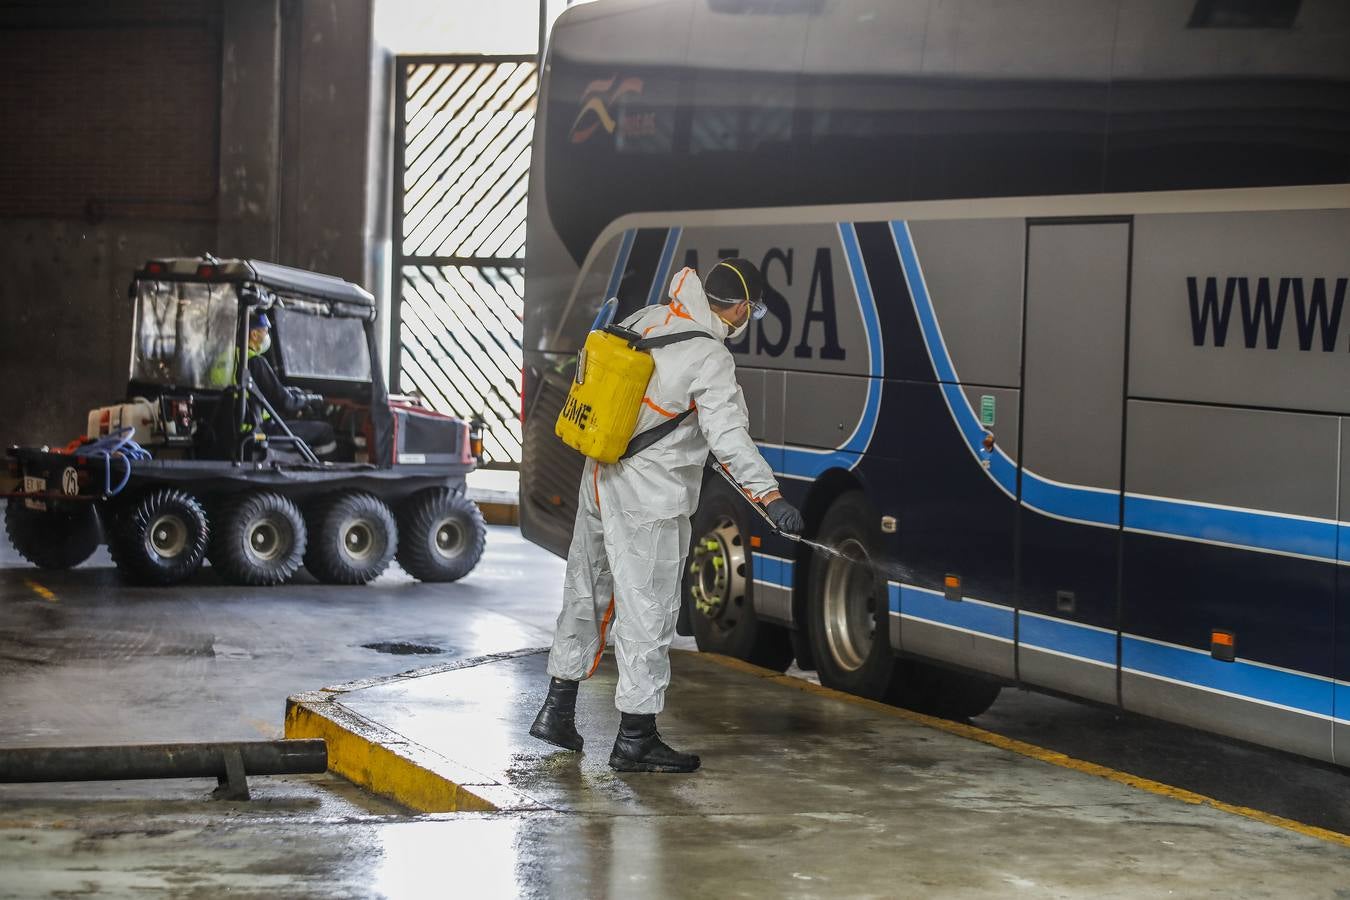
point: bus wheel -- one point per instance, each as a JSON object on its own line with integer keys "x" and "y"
{"x": 441, "y": 535}
{"x": 351, "y": 539}
{"x": 52, "y": 539}
{"x": 848, "y": 610}
{"x": 260, "y": 539}
{"x": 719, "y": 588}
{"x": 161, "y": 538}
{"x": 952, "y": 695}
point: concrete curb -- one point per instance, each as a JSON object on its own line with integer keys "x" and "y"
{"x": 388, "y": 764}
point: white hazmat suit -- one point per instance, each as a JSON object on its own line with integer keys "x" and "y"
{"x": 632, "y": 528}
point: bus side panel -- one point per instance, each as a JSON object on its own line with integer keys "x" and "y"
{"x": 1071, "y": 446}
{"x": 953, "y": 520}
{"x": 1237, "y": 372}
{"x": 1192, "y": 471}
{"x": 961, "y": 293}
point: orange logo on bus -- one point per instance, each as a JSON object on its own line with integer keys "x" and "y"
{"x": 596, "y": 102}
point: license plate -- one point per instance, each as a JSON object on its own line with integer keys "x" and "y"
{"x": 33, "y": 485}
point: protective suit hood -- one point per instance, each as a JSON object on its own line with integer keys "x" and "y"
{"x": 687, "y": 289}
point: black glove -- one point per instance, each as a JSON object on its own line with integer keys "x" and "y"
{"x": 786, "y": 517}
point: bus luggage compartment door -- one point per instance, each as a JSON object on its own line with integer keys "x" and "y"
{"x": 1074, "y": 358}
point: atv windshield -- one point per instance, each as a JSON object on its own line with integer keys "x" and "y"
{"x": 317, "y": 344}
{"x": 185, "y": 334}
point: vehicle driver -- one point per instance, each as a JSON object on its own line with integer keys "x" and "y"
{"x": 286, "y": 400}
{"x": 632, "y": 528}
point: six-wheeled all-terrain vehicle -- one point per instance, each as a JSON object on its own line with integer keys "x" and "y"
{"x": 199, "y": 464}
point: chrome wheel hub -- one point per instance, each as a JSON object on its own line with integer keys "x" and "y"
{"x": 850, "y": 606}
{"x": 717, "y": 574}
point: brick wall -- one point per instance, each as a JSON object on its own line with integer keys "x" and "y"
{"x": 112, "y": 110}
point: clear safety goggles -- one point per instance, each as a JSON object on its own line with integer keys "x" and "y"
{"x": 757, "y": 307}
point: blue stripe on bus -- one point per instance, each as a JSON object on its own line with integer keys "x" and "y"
{"x": 1072, "y": 502}
{"x": 1291, "y": 689}
{"x": 1189, "y": 668}
{"x": 921, "y": 603}
{"x": 620, "y": 263}
{"x": 802, "y": 462}
{"x": 773, "y": 570}
{"x": 1287, "y": 534}
{"x": 1063, "y": 636}
{"x": 1341, "y": 702}
{"x": 662, "y": 276}
{"x": 1254, "y": 529}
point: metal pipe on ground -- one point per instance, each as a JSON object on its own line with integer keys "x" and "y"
{"x": 228, "y": 763}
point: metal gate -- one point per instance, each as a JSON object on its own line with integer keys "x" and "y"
{"x": 462, "y": 130}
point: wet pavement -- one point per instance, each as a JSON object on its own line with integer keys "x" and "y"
{"x": 85, "y": 659}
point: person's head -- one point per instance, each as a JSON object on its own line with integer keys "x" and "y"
{"x": 735, "y": 291}
{"x": 259, "y": 333}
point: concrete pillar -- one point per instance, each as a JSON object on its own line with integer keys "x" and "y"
{"x": 325, "y": 137}
{"x": 250, "y": 115}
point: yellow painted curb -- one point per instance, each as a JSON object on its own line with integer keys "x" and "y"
{"x": 500, "y": 513}
{"x": 1022, "y": 748}
{"x": 362, "y": 757}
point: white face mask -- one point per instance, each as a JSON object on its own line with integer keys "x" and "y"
{"x": 735, "y": 333}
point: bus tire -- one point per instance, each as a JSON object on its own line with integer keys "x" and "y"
{"x": 160, "y": 538}
{"x": 718, "y": 586}
{"x": 956, "y": 695}
{"x": 441, "y": 535}
{"x": 52, "y": 539}
{"x": 848, "y": 610}
{"x": 260, "y": 540}
{"x": 352, "y": 539}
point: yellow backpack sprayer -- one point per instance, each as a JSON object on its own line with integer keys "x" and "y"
{"x": 602, "y": 406}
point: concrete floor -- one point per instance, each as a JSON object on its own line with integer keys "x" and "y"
{"x": 84, "y": 659}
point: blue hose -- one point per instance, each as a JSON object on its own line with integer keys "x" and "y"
{"x": 120, "y": 445}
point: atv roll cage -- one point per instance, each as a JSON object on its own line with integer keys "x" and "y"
{"x": 201, "y": 297}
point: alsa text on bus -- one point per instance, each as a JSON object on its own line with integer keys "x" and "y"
{"x": 774, "y": 333}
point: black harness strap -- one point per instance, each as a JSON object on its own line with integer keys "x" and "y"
{"x": 645, "y": 439}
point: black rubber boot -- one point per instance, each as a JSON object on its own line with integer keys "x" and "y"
{"x": 557, "y": 721}
{"x": 639, "y": 748}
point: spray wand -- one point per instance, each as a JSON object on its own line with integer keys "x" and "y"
{"x": 814, "y": 545}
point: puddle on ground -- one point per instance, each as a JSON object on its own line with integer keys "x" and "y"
{"x": 404, "y": 648}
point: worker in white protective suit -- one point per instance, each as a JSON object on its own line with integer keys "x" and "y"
{"x": 632, "y": 527}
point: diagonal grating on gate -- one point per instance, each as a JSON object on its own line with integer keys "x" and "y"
{"x": 463, "y": 126}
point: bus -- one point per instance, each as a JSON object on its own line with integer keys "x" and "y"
{"x": 1057, "y": 350}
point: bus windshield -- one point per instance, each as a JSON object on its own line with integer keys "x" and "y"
{"x": 184, "y": 334}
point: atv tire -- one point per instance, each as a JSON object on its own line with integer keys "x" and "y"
{"x": 352, "y": 539}
{"x": 260, "y": 540}
{"x": 52, "y": 539}
{"x": 160, "y": 538}
{"x": 441, "y": 535}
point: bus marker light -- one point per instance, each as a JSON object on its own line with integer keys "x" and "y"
{"x": 952, "y": 587}
{"x": 756, "y": 541}
{"x": 1223, "y": 645}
